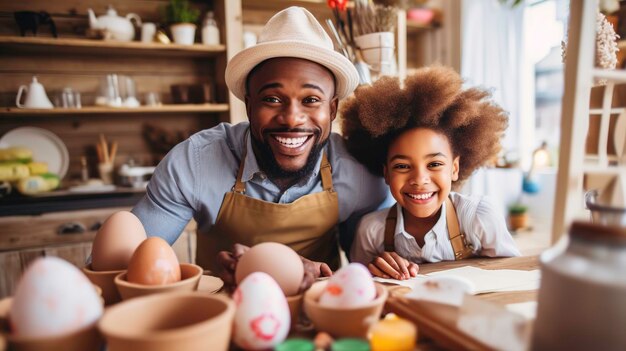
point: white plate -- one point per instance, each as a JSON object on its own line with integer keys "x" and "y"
{"x": 45, "y": 145}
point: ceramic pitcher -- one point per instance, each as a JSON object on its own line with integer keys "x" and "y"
{"x": 35, "y": 96}
{"x": 582, "y": 297}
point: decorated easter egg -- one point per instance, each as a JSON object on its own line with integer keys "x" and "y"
{"x": 115, "y": 242}
{"x": 52, "y": 298}
{"x": 350, "y": 286}
{"x": 279, "y": 261}
{"x": 262, "y": 318}
{"x": 153, "y": 263}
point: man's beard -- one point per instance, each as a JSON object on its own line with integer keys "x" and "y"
{"x": 270, "y": 166}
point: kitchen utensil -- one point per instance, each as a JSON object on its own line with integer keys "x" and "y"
{"x": 45, "y": 145}
{"x": 35, "y": 96}
{"x": 120, "y": 28}
{"x": 148, "y": 31}
{"x": 69, "y": 99}
{"x": 602, "y": 213}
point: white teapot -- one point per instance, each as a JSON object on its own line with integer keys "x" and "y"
{"x": 121, "y": 28}
{"x": 35, "y": 96}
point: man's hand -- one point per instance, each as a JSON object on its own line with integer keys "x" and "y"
{"x": 312, "y": 271}
{"x": 392, "y": 265}
{"x": 228, "y": 261}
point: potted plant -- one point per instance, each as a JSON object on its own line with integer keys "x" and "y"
{"x": 518, "y": 216}
{"x": 182, "y": 18}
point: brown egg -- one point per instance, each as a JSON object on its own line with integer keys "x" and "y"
{"x": 279, "y": 261}
{"x": 153, "y": 263}
{"x": 115, "y": 242}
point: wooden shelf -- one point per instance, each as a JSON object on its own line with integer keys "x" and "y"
{"x": 70, "y": 45}
{"x": 97, "y": 110}
{"x": 415, "y": 27}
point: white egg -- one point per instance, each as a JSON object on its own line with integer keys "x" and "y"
{"x": 53, "y": 297}
{"x": 262, "y": 318}
{"x": 350, "y": 286}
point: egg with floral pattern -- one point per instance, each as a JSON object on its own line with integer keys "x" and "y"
{"x": 350, "y": 286}
{"x": 262, "y": 317}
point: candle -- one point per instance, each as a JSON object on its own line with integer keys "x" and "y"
{"x": 393, "y": 333}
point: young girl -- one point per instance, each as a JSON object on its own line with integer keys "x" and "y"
{"x": 425, "y": 139}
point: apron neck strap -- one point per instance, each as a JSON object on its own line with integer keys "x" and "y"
{"x": 390, "y": 228}
{"x": 325, "y": 170}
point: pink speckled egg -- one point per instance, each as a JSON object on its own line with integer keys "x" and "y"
{"x": 52, "y": 298}
{"x": 262, "y": 317}
{"x": 351, "y": 286}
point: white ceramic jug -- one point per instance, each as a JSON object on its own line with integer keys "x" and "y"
{"x": 35, "y": 96}
{"x": 582, "y": 298}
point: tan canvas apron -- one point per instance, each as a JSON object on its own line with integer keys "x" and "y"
{"x": 308, "y": 225}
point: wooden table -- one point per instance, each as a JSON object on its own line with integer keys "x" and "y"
{"x": 437, "y": 323}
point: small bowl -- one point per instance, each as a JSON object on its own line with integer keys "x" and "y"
{"x": 105, "y": 280}
{"x": 189, "y": 279}
{"x": 347, "y": 321}
{"x": 85, "y": 339}
{"x": 295, "y": 308}
{"x": 171, "y": 321}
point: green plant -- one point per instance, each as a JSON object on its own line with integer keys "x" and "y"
{"x": 517, "y": 209}
{"x": 180, "y": 11}
{"x": 511, "y": 3}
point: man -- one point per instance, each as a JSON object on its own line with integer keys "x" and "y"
{"x": 283, "y": 176}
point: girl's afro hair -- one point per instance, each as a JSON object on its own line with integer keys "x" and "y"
{"x": 432, "y": 98}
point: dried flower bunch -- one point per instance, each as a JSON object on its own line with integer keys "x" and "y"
{"x": 606, "y": 45}
{"x": 403, "y": 4}
{"x": 371, "y": 18}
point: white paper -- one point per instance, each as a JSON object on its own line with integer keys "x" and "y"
{"x": 485, "y": 280}
{"x": 446, "y": 290}
{"x": 526, "y": 309}
{"x": 493, "y": 325}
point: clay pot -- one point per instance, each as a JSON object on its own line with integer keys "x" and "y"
{"x": 105, "y": 280}
{"x": 189, "y": 278}
{"x": 343, "y": 322}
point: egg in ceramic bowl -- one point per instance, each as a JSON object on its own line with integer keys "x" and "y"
{"x": 113, "y": 246}
{"x": 338, "y": 315}
{"x": 350, "y": 286}
{"x": 55, "y": 307}
{"x": 154, "y": 268}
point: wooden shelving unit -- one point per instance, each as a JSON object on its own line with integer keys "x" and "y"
{"x": 97, "y": 110}
{"x": 118, "y": 48}
{"x": 415, "y": 27}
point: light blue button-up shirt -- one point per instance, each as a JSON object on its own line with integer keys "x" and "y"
{"x": 193, "y": 178}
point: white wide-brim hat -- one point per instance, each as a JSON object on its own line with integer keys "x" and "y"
{"x": 293, "y": 32}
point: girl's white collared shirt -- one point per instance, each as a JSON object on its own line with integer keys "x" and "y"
{"x": 482, "y": 224}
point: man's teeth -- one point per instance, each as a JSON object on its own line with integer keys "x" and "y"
{"x": 423, "y": 196}
{"x": 291, "y": 142}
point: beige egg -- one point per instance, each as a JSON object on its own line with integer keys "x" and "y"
{"x": 52, "y": 298}
{"x": 279, "y": 261}
{"x": 116, "y": 241}
{"x": 153, "y": 263}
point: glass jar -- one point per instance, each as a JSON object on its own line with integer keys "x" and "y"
{"x": 582, "y": 297}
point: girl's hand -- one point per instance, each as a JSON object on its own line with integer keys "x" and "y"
{"x": 392, "y": 265}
